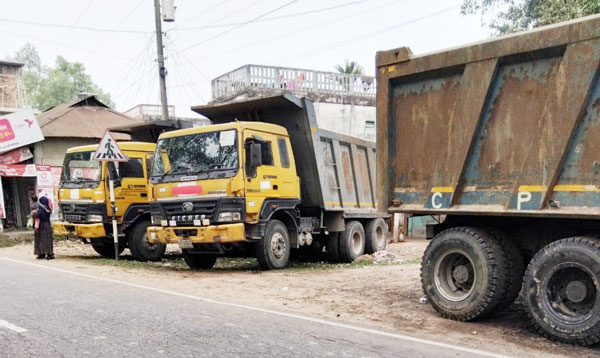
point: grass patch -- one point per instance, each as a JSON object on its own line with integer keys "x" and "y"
{"x": 15, "y": 239}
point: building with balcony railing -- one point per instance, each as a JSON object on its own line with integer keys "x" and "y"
{"x": 344, "y": 103}
{"x": 153, "y": 112}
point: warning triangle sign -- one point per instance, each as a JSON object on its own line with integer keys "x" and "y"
{"x": 108, "y": 150}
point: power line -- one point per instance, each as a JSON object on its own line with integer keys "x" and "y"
{"x": 72, "y": 27}
{"x": 75, "y": 23}
{"x": 309, "y": 12}
{"x": 237, "y": 27}
{"x": 205, "y": 11}
{"x": 358, "y": 38}
{"x": 312, "y": 27}
{"x": 118, "y": 26}
{"x": 66, "y": 46}
{"x": 222, "y": 18}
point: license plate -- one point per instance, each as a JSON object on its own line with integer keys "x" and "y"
{"x": 186, "y": 244}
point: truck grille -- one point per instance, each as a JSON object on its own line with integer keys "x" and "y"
{"x": 78, "y": 212}
{"x": 74, "y": 212}
{"x": 199, "y": 208}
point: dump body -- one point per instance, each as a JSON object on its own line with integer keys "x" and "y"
{"x": 508, "y": 126}
{"x": 337, "y": 172}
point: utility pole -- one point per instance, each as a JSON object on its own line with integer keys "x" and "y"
{"x": 162, "y": 71}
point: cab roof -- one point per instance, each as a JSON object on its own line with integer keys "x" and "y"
{"x": 257, "y": 126}
{"x": 126, "y": 146}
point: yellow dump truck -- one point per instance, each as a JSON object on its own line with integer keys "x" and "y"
{"x": 264, "y": 187}
{"x": 84, "y": 201}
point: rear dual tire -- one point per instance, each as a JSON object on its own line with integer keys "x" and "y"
{"x": 106, "y": 247}
{"x": 562, "y": 291}
{"x": 464, "y": 273}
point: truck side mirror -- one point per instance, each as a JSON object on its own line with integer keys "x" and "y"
{"x": 253, "y": 158}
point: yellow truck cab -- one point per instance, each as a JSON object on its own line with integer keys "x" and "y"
{"x": 234, "y": 188}
{"x": 84, "y": 201}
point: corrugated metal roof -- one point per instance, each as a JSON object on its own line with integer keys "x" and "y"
{"x": 82, "y": 118}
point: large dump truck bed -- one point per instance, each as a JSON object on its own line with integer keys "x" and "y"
{"x": 337, "y": 172}
{"x": 509, "y": 126}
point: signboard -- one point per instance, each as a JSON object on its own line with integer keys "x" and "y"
{"x": 16, "y": 156}
{"x": 44, "y": 183}
{"x": 108, "y": 150}
{"x": 18, "y": 170}
{"x": 19, "y": 129}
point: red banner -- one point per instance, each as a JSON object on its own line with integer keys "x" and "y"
{"x": 16, "y": 156}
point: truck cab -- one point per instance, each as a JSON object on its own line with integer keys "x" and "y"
{"x": 207, "y": 183}
{"x": 84, "y": 203}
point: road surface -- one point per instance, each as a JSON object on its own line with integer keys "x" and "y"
{"x": 49, "y": 312}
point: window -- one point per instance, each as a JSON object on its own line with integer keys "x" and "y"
{"x": 266, "y": 154}
{"x": 283, "y": 153}
{"x": 370, "y": 124}
{"x": 131, "y": 169}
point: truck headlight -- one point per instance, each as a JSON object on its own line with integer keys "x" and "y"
{"x": 93, "y": 218}
{"x": 227, "y": 216}
{"x": 156, "y": 219}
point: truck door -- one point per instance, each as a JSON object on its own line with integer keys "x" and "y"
{"x": 263, "y": 181}
{"x": 133, "y": 183}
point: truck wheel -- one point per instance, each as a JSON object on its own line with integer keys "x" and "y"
{"x": 332, "y": 247}
{"x": 376, "y": 235}
{"x": 463, "y": 273}
{"x": 141, "y": 249}
{"x": 562, "y": 290}
{"x": 273, "y": 251}
{"x": 352, "y": 241}
{"x": 106, "y": 248}
{"x": 199, "y": 261}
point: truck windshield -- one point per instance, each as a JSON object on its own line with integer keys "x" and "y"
{"x": 203, "y": 155}
{"x": 80, "y": 170}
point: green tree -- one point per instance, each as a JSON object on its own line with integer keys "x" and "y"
{"x": 350, "y": 67}
{"x": 49, "y": 86}
{"x": 517, "y": 15}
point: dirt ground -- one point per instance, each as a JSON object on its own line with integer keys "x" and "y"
{"x": 377, "y": 296}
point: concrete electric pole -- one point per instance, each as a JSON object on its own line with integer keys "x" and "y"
{"x": 162, "y": 71}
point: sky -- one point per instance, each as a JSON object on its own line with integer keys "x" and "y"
{"x": 115, "y": 40}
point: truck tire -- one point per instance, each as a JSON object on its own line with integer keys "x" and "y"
{"x": 463, "y": 273}
{"x": 352, "y": 241}
{"x": 332, "y": 247}
{"x": 199, "y": 261}
{"x": 141, "y": 249}
{"x": 376, "y": 235}
{"x": 562, "y": 290}
{"x": 105, "y": 248}
{"x": 273, "y": 251}
{"x": 515, "y": 268}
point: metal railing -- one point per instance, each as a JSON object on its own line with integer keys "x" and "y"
{"x": 293, "y": 80}
{"x": 148, "y": 112}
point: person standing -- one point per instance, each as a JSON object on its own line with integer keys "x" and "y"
{"x": 45, "y": 248}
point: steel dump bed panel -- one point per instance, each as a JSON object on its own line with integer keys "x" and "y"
{"x": 508, "y": 126}
{"x": 337, "y": 172}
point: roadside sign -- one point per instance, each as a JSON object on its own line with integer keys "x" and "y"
{"x": 108, "y": 150}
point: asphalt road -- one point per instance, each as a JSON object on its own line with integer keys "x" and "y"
{"x": 46, "y": 312}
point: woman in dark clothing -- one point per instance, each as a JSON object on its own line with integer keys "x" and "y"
{"x": 45, "y": 247}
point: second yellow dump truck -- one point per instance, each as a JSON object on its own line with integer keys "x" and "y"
{"x": 84, "y": 203}
{"x": 265, "y": 186}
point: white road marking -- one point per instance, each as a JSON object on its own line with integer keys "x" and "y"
{"x": 12, "y": 327}
{"x": 278, "y": 313}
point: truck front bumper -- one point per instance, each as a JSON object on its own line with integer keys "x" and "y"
{"x": 198, "y": 234}
{"x": 87, "y": 231}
